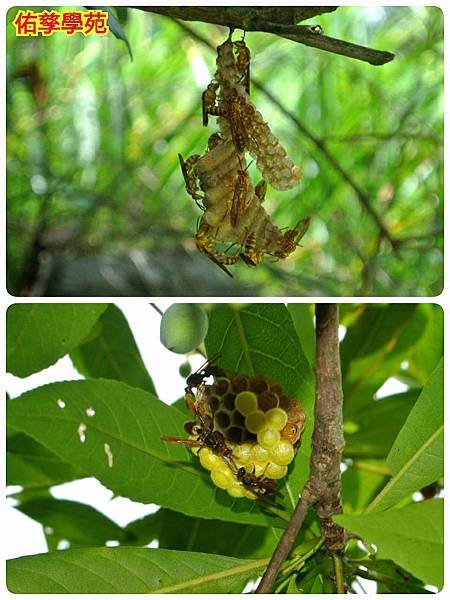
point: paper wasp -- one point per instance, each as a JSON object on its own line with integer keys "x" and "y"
{"x": 260, "y": 190}
{"x": 190, "y": 180}
{"x": 209, "y": 100}
{"x": 207, "y": 369}
{"x": 250, "y": 255}
{"x": 208, "y": 246}
{"x": 203, "y": 429}
{"x": 243, "y": 63}
{"x": 291, "y": 238}
{"x": 258, "y": 485}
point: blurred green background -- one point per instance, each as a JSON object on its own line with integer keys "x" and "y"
{"x": 96, "y": 200}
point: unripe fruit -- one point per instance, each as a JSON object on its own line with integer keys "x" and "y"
{"x": 246, "y": 402}
{"x": 185, "y": 369}
{"x": 255, "y": 421}
{"x": 183, "y": 327}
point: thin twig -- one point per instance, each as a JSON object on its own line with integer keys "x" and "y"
{"x": 158, "y": 310}
{"x": 284, "y": 545}
{"x": 279, "y": 21}
{"x": 339, "y": 574}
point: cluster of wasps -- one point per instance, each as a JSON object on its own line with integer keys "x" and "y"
{"x": 218, "y": 180}
{"x": 203, "y": 435}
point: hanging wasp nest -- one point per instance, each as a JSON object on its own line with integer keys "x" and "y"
{"x": 232, "y": 206}
{"x": 261, "y": 426}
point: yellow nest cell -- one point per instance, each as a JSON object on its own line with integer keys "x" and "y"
{"x": 274, "y": 471}
{"x": 209, "y": 460}
{"x": 237, "y": 490}
{"x": 243, "y": 453}
{"x": 268, "y": 438}
{"x": 255, "y": 421}
{"x": 276, "y": 418}
{"x": 260, "y": 454}
{"x": 222, "y": 477}
{"x": 282, "y": 453}
{"x": 246, "y": 403}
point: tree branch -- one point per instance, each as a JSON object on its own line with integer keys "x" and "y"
{"x": 328, "y": 437}
{"x": 323, "y": 488}
{"x": 279, "y": 21}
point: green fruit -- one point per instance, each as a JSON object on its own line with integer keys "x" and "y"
{"x": 183, "y": 327}
{"x": 185, "y": 369}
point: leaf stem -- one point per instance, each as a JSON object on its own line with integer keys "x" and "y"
{"x": 339, "y": 573}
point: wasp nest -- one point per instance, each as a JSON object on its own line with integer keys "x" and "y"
{"x": 260, "y": 425}
{"x": 218, "y": 180}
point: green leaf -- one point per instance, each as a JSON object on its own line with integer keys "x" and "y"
{"x": 79, "y": 524}
{"x": 32, "y": 465}
{"x": 361, "y": 481}
{"x": 261, "y": 338}
{"x": 112, "y": 353}
{"x": 130, "y": 422}
{"x": 417, "y": 456}
{"x": 116, "y": 29}
{"x": 258, "y": 338}
{"x": 375, "y": 345}
{"x": 302, "y": 317}
{"x": 129, "y": 571}
{"x": 176, "y": 531}
{"x": 377, "y": 425}
{"x": 426, "y": 354}
{"x": 37, "y": 335}
{"x": 390, "y": 577}
{"x": 412, "y": 536}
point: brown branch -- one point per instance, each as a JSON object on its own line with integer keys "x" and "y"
{"x": 279, "y": 21}
{"x": 323, "y": 488}
{"x": 328, "y": 438}
{"x": 237, "y": 16}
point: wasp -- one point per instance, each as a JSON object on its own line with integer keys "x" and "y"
{"x": 260, "y": 486}
{"x": 214, "y": 140}
{"x": 239, "y": 202}
{"x": 243, "y": 63}
{"x": 233, "y": 110}
{"x": 207, "y": 369}
{"x": 190, "y": 180}
{"x": 291, "y": 238}
{"x": 260, "y": 190}
{"x": 250, "y": 255}
{"x": 208, "y": 246}
{"x": 203, "y": 428}
{"x": 209, "y": 100}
